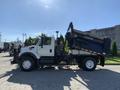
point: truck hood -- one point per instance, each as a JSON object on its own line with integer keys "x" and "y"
{"x": 28, "y": 49}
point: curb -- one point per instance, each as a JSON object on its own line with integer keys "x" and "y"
{"x": 112, "y": 64}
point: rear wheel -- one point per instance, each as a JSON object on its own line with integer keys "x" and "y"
{"x": 89, "y": 64}
{"x": 27, "y": 64}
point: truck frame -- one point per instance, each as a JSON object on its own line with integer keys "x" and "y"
{"x": 84, "y": 50}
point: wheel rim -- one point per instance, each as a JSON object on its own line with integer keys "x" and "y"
{"x": 89, "y": 64}
{"x": 26, "y": 64}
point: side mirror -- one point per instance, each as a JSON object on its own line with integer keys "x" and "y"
{"x": 41, "y": 45}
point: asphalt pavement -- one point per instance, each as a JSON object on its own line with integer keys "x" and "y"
{"x": 66, "y": 78}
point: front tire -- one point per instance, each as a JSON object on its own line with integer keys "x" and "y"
{"x": 27, "y": 64}
{"x": 89, "y": 64}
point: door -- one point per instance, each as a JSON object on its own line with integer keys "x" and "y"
{"x": 47, "y": 48}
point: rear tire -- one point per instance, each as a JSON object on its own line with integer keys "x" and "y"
{"x": 89, "y": 64}
{"x": 27, "y": 64}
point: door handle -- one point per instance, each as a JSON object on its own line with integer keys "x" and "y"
{"x": 50, "y": 50}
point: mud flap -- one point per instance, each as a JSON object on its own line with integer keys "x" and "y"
{"x": 102, "y": 61}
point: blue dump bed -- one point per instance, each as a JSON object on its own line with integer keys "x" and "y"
{"x": 79, "y": 40}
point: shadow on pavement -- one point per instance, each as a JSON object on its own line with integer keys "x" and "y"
{"x": 49, "y": 79}
{"x": 7, "y": 56}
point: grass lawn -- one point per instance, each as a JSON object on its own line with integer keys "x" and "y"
{"x": 112, "y": 60}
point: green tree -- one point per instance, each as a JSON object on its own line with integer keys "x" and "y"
{"x": 114, "y": 49}
{"x": 66, "y": 48}
{"x": 26, "y": 42}
{"x": 62, "y": 38}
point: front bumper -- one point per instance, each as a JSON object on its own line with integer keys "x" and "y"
{"x": 15, "y": 59}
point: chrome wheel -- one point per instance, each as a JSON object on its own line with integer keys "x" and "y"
{"x": 89, "y": 64}
{"x": 27, "y": 64}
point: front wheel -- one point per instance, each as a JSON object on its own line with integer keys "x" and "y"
{"x": 89, "y": 64}
{"x": 27, "y": 64}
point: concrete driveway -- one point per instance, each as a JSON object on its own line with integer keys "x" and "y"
{"x": 11, "y": 78}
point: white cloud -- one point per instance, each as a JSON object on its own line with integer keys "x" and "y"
{"x": 47, "y": 3}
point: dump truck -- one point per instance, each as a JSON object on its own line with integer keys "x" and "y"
{"x": 84, "y": 50}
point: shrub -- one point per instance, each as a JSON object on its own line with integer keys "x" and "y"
{"x": 114, "y": 49}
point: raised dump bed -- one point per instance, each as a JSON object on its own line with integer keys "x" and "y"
{"x": 79, "y": 40}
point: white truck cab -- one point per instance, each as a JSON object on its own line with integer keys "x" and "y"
{"x": 42, "y": 48}
{"x": 30, "y": 56}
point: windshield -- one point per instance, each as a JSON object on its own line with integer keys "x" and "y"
{"x": 38, "y": 42}
{"x": 44, "y": 41}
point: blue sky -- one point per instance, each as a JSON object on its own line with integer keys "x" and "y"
{"x": 47, "y": 16}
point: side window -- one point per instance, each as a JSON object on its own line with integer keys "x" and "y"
{"x": 47, "y": 41}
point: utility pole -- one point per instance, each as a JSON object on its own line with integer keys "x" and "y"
{"x": 24, "y": 36}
